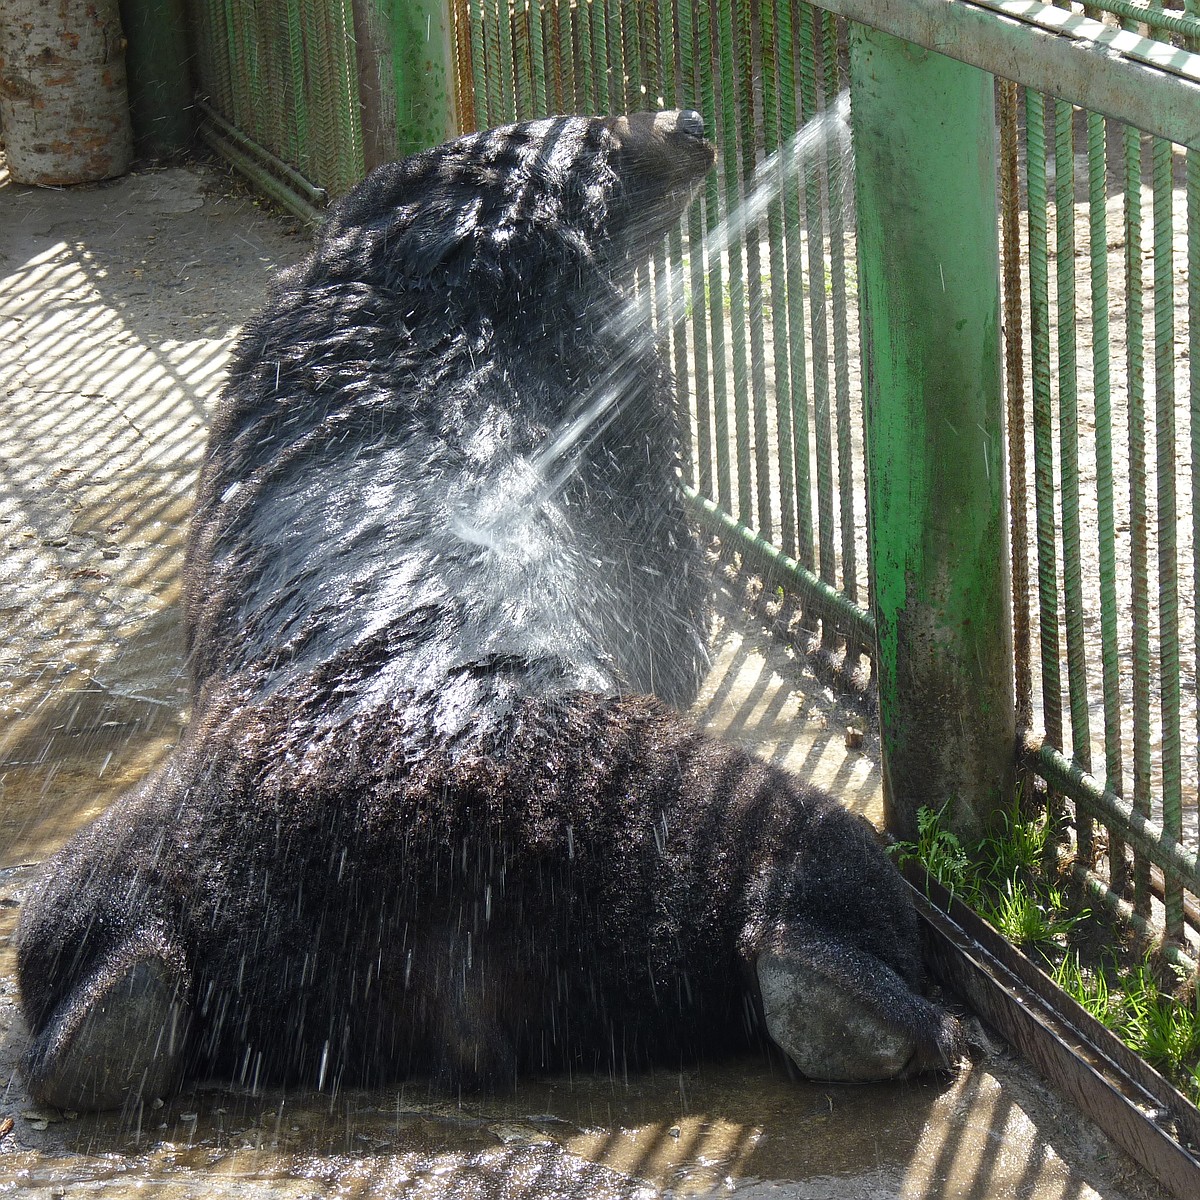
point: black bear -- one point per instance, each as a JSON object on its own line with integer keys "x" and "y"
{"x": 434, "y": 813}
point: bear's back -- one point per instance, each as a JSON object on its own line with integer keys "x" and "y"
{"x": 404, "y": 457}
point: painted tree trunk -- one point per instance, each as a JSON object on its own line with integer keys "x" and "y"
{"x": 64, "y": 110}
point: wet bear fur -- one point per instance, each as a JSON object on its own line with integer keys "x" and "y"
{"x": 435, "y": 812}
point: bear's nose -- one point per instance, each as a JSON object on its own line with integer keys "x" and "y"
{"x": 691, "y": 122}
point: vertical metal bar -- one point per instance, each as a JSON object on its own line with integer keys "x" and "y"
{"x": 322, "y": 99}
{"x": 693, "y": 22}
{"x": 734, "y": 259}
{"x": 772, "y": 48}
{"x": 537, "y": 48}
{"x": 243, "y": 67}
{"x": 793, "y": 257}
{"x": 764, "y": 509}
{"x": 1068, "y": 422}
{"x": 929, "y": 258}
{"x": 349, "y": 127}
{"x": 1193, "y": 252}
{"x": 676, "y": 51}
{"x": 565, "y": 99}
{"x": 652, "y": 90}
{"x": 1138, "y": 552}
{"x": 586, "y": 93}
{"x": 815, "y": 190}
{"x": 538, "y": 21}
{"x": 615, "y": 62}
{"x": 1014, "y": 359}
{"x": 668, "y": 272}
{"x": 214, "y": 45}
{"x": 464, "y": 69}
{"x": 480, "y": 75}
{"x": 600, "y": 62}
{"x": 1043, "y": 435}
{"x": 632, "y": 43}
{"x": 841, "y": 348}
{"x": 1105, "y": 502}
{"x": 522, "y": 58}
{"x": 1168, "y": 563}
{"x": 496, "y": 101}
{"x": 715, "y": 278}
{"x": 508, "y": 83}
{"x": 1192, "y": 185}
{"x": 301, "y": 152}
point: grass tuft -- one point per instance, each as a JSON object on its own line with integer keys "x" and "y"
{"x": 1011, "y": 879}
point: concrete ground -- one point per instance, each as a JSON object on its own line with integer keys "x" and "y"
{"x": 117, "y": 308}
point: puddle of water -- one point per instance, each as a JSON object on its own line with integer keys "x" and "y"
{"x": 701, "y": 1132}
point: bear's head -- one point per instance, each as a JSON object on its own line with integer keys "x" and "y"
{"x": 533, "y": 209}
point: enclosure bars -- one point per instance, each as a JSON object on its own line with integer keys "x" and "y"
{"x": 304, "y": 98}
{"x": 1166, "y": 102}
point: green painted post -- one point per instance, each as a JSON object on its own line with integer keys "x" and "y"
{"x": 423, "y": 61}
{"x": 160, "y": 85}
{"x": 929, "y": 263}
{"x": 405, "y": 76}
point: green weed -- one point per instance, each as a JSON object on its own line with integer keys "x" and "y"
{"x": 1024, "y": 918}
{"x": 1008, "y": 878}
{"x": 937, "y": 850}
{"x": 1087, "y": 988}
{"x": 1164, "y": 1030}
{"x": 1020, "y": 849}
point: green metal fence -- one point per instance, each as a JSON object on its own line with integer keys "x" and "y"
{"x": 1101, "y": 250}
{"x": 1102, "y": 271}
{"x": 1111, "y": 388}
{"x": 279, "y": 94}
{"x": 768, "y": 352}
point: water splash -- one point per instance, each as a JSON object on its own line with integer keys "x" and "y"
{"x": 535, "y": 480}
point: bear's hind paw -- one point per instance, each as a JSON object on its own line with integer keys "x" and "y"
{"x": 118, "y": 1037}
{"x": 842, "y": 1015}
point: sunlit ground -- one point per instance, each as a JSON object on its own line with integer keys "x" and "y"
{"x": 117, "y": 306}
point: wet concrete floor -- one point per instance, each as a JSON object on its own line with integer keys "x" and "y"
{"x": 118, "y": 304}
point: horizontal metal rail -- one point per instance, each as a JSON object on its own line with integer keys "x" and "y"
{"x": 283, "y": 193}
{"x": 856, "y": 624}
{"x": 1144, "y": 834}
{"x": 315, "y": 195}
{"x": 1152, "y": 85}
